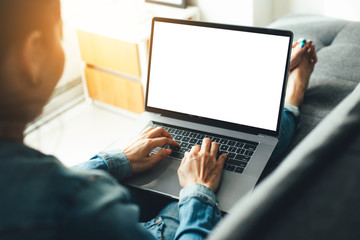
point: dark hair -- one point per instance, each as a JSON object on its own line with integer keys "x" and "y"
{"x": 18, "y": 18}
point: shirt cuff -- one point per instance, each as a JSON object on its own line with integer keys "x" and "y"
{"x": 117, "y": 162}
{"x": 295, "y": 112}
{"x": 198, "y": 191}
{"x": 293, "y": 109}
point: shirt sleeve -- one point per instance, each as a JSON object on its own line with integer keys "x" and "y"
{"x": 289, "y": 108}
{"x": 113, "y": 161}
{"x": 198, "y": 212}
{"x": 99, "y": 208}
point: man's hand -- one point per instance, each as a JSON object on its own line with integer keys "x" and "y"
{"x": 138, "y": 151}
{"x": 200, "y": 166}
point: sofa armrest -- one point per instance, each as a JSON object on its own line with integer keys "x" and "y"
{"x": 314, "y": 193}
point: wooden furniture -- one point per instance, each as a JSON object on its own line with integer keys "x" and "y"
{"x": 114, "y": 45}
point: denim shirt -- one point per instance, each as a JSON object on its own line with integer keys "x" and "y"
{"x": 42, "y": 199}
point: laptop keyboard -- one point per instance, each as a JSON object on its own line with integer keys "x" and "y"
{"x": 239, "y": 151}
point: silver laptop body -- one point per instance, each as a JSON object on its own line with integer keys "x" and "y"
{"x": 215, "y": 79}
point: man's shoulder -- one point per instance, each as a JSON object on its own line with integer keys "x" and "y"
{"x": 25, "y": 168}
{"x": 28, "y": 163}
{"x": 38, "y": 190}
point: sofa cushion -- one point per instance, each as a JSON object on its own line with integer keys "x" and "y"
{"x": 314, "y": 193}
{"x": 337, "y": 72}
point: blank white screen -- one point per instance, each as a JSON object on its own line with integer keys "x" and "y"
{"x": 226, "y": 75}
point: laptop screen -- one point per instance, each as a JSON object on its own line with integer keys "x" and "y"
{"x": 209, "y": 71}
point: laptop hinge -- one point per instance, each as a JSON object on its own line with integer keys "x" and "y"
{"x": 261, "y": 135}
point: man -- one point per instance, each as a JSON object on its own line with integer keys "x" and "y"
{"x": 41, "y": 198}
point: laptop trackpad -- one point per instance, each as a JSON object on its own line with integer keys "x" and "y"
{"x": 162, "y": 178}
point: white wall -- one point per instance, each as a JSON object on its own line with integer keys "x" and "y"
{"x": 343, "y": 9}
{"x": 262, "y": 12}
{"x": 225, "y": 11}
{"x": 281, "y": 7}
{"x": 240, "y": 12}
{"x": 70, "y": 11}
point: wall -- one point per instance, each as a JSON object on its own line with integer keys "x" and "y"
{"x": 70, "y": 11}
{"x": 225, "y": 11}
{"x": 344, "y": 9}
{"x": 262, "y": 12}
{"x": 240, "y": 12}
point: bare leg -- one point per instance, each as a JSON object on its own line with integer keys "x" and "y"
{"x": 299, "y": 77}
{"x": 297, "y": 85}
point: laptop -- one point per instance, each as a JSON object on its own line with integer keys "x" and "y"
{"x": 220, "y": 81}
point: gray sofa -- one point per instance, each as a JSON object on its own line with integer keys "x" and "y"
{"x": 337, "y": 72}
{"x": 315, "y": 192}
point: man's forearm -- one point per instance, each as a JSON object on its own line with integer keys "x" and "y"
{"x": 115, "y": 162}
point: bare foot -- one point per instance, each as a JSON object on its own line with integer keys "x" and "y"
{"x": 298, "y": 49}
{"x": 299, "y": 78}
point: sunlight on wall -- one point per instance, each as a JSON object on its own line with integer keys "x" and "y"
{"x": 71, "y": 10}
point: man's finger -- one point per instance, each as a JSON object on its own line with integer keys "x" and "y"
{"x": 148, "y": 130}
{"x": 196, "y": 148}
{"x": 205, "y": 146}
{"x": 165, "y": 133}
{"x": 214, "y": 148}
{"x": 162, "y": 141}
{"x": 159, "y": 132}
{"x": 221, "y": 160}
{"x": 155, "y": 132}
{"x": 184, "y": 159}
{"x": 159, "y": 156}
